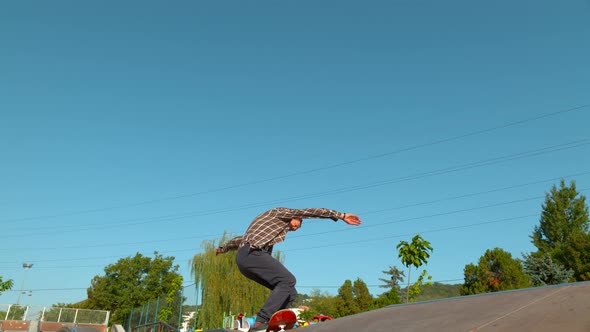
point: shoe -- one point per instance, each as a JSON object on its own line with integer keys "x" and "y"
{"x": 258, "y": 327}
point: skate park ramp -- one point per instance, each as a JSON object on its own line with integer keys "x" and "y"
{"x": 563, "y": 307}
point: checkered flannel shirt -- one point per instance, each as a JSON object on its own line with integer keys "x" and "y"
{"x": 271, "y": 227}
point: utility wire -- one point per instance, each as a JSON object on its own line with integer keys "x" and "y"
{"x": 331, "y": 231}
{"x": 173, "y": 217}
{"x": 497, "y": 204}
{"x": 414, "y": 233}
{"x": 348, "y": 242}
{"x": 382, "y": 285}
{"x": 306, "y": 235}
{"x": 313, "y": 170}
{"x": 193, "y": 284}
{"x": 373, "y": 239}
{"x": 47, "y": 289}
{"x": 474, "y": 194}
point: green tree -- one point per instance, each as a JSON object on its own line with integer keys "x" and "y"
{"x": 5, "y": 285}
{"x": 320, "y": 304}
{"x": 544, "y": 271}
{"x": 419, "y": 285}
{"x": 563, "y": 230}
{"x": 396, "y": 277}
{"x": 362, "y": 297}
{"x": 131, "y": 282}
{"x": 388, "y": 298}
{"x": 475, "y": 280}
{"x": 414, "y": 254}
{"x": 345, "y": 300}
{"x": 223, "y": 288}
{"x": 392, "y": 296}
{"x": 496, "y": 271}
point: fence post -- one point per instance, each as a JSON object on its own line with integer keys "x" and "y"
{"x": 147, "y": 316}
{"x": 180, "y": 311}
{"x": 141, "y": 316}
{"x": 129, "y": 328}
{"x": 76, "y": 316}
{"x": 156, "y": 314}
{"x": 8, "y": 311}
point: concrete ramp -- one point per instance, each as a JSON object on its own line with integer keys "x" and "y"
{"x": 563, "y": 307}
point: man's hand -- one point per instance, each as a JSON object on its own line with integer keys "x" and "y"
{"x": 352, "y": 219}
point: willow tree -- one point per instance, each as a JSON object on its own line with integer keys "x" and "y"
{"x": 224, "y": 289}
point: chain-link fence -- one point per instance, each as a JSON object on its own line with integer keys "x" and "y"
{"x": 53, "y": 314}
{"x": 165, "y": 314}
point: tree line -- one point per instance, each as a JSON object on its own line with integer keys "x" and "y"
{"x": 563, "y": 249}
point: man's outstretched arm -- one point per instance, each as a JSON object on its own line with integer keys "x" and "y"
{"x": 287, "y": 213}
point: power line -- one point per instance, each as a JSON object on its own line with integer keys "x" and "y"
{"x": 67, "y": 259}
{"x": 313, "y": 170}
{"x": 49, "y": 289}
{"x": 367, "y": 226}
{"x": 418, "y": 232}
{"x": 101, "y": 245}
{"x": 332, "y": 231}
{"x": 348, "y": 229}
{"x": 373, "y": 286}
{"x": 447, "y": 170}
{"x": 476, "y": 193}
{"x": 69, "y": 288}
{"x": 374, "y": 225}
{"x": 193, "y": 284}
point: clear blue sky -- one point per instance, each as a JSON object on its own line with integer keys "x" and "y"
{"x": 148, "y": 126}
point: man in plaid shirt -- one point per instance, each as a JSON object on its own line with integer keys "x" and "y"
{"x": 254, "y": 257}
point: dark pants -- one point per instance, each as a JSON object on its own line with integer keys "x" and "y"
{"x": 259, "y": 265}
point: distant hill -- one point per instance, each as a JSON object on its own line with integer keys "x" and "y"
{"x": 438, "y": 291}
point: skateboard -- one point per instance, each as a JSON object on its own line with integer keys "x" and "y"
{"x": 282, "y": 320}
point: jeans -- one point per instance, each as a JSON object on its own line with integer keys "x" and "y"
{"x": 259, "y": 266}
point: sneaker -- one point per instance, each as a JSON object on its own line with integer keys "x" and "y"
{"x": 258, "y": 327}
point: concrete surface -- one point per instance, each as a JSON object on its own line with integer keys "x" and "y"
{"x": 563, "y": 307}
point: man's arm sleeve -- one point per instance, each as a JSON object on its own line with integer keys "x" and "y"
{"x": 286, "y": 213}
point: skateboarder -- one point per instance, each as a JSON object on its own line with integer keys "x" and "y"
{"x": 254, "y": 257}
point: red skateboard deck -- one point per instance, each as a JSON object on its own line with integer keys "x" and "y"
{"x": 282, "y": 320}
